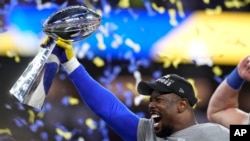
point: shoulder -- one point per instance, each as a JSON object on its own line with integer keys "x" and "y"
{"x": 214, "y": 127}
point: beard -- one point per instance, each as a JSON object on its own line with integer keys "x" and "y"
{"x": 166, "y": 131}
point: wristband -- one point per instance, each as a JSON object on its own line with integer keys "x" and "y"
{"x": 53, "y": 58}
{"x": 71, "y": 65}
{"x": 234, "y": 80}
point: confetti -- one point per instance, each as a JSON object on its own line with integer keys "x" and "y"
{"x": 217, "y": 70}
{"x": 130, "y": 43}
{"x": 63, "y": 133}
{"x": 123, "y": 3}
{"x": 91, "y": 123}
{"x": 172, "y": 13}
{"x": 98, "y": 62}
{"x": 31, "y": 116}
{"x": 5, "y": 131}
{"x": 160, "y": 9}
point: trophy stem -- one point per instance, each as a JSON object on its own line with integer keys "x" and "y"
{"x": 25, "y": 85}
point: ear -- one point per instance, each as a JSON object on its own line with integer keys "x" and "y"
{"x": 182, "y": 105}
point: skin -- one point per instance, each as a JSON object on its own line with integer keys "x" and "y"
{"x": 175, "y": 112}
{"x": 223, "y": 106}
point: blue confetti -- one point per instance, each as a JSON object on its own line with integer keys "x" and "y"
{"x": 34, "y": 127}
{"x": 65, "y": 101}
{"x": 80, "y": 121}
{"x": 218, "y": 79}
{"x": 128, "y": 98}
{"x": 44, "y": 136}
{"x": 157, "y": 74}
{"x": 20, "y": 122}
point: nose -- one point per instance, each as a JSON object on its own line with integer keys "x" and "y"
{"x": 151, "y": 105}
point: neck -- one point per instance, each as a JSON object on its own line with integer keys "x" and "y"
{"x": 185, "y": 121}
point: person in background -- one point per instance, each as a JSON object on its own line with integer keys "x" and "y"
{"x": 223, "y": 106}
{"x": 171, "y": 105}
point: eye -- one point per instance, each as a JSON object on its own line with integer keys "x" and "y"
{"x": 158, "y": 100}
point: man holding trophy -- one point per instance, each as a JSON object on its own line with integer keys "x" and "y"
{"x": 124, "y": 122}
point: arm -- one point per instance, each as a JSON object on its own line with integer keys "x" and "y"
{"x": 99, "y": 99}
{"x": 223, "y": 107}
{"x": 104, "y": 103}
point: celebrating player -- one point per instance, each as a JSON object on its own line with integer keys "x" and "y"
{"x": 223, "y": 107}
{"x": 171, "y": 106}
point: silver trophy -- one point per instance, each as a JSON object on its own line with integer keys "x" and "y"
{"x": 72, "y": 23}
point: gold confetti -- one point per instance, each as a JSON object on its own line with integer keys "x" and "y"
{"x": 130, "y": 86}
{"x": 5, "y": 131}
{"x": 17, "y": 59}
{"x": 172, "y": 14}
{"x": 99, "y": 12}
{"x": 167, "y": 60}
{"x": 172, "y": 1}
{"x": 123, "y": 3}
{"x": 101, "y": 45}
{"x": 217, "y": 70}
{"x": 98, "y": 62}
{"x": 160, "y": 9}
{"x": 31, "y": 116}
{"x": 206, "y": 1}
{"x": 10, "y": 53}
{"x": 73, "y": 101}
{"x": 215, "y": 11}
{"x": 180, "y": 9}
{"x": 40, "y": 115}
{"x": 66, "y": 135}
{"x": 90, "y": 123}
{"x": 234, "y": 4}
{"x": 176, "y": 62}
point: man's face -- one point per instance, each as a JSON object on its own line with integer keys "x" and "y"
{"x": 163, "y": 110}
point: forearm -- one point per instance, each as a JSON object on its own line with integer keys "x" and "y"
{"x": 105, "y": 104}
{"x": 224, "y": 104}
{"x": 224, "y": 97}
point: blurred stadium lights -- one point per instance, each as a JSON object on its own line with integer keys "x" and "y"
{"x": 202, "y": 38}
{"x": 221, "y": 33}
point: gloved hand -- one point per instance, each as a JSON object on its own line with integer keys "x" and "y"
{"x": 64, "y": 52}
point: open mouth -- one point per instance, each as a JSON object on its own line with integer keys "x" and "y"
{"x": 157, "y": 119}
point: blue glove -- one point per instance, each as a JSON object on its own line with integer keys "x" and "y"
{"x": 64, "y": 52}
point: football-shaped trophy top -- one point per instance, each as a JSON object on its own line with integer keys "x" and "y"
{"x": 72, "y": 23}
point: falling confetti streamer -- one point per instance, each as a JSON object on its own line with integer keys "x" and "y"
{"x": 217, "y": 71}
{"x": 31, "y": 116}
{"x": 130, "y": 43}
{"x": 117, "y": 41}
{"x": 83, "y": 50}
{"x": 206, "y": 1}
{"x": 215, "y": 11}
{"x": 91, "y": 123}
{"x": 5, "y": 131}
{"x": 159, "y": 9}
{"x": 73, "y": 101}
{"x": 180, "y": 9}
{"x": 64, "y": 133}
{"x": 172, "y": 14}
{"x": 128, "y": 98}
{"x": 101, "y": 44}
{"x": 99, "y": 62}
{"x": 124, "y": 3}
{"x": 235, "y": 4}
